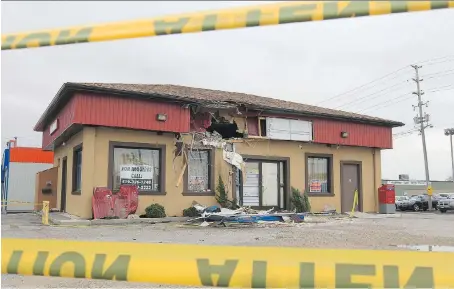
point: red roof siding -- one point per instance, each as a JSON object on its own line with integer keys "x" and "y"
{"x": 114, "y": 111}
{"x": 65, "y": 119}
{"x": 365, "y": 135}
{"x": 133, "y": 113}
{"x": 329, "y": 131}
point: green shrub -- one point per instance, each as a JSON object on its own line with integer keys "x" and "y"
{"x": 155, "y": 211}
{"x": 300, "y": 202}
{"x": 190, "y": 212}
{"x": 221, "y": 194}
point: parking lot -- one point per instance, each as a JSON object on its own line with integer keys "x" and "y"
{"x": 365, "y": 232}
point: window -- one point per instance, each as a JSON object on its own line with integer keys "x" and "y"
{"x": 77, "y": 169}
{"x": 200, "y": 171}
{"x": 262, "y": 126}
{"x": 319, "y": 174}
{"x": 289, "y": 129}
{"x": 137, "y": 164}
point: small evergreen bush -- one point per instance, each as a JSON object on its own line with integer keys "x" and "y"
{"x": 190, "y": 212}
{"x": 155, "y": 211}
{"x": 300, "y": 202}
{"x": 221, "y": 194}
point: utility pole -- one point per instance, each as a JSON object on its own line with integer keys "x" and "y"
{"x": 450, "y": 133}
{"x": 423, "y": 121}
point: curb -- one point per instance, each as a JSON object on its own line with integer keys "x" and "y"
{"x": 72, "y": 222}
{"x": 107, "y": 222}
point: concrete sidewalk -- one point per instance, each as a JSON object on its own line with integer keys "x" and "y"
{"x": 62, "y": 219}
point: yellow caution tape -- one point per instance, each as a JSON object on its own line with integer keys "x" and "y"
{"x": 240, "y": 267}
{"x": 8, "y": 203}
{"x": 13, "y": 201}
{"x": 241, "y": 17}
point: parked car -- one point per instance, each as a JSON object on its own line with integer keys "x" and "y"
{"x": 446, "y": 195}
{"x": 399, "y": 200}
{"x": 446, "y": 204}
{"x": 417, "y": 203}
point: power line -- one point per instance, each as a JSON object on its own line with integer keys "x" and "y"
{"x": 387, "y": 103}
{"x": 439, "y": 76}
{"x": 436, "y": 58}
{"x": 440, "y": 72}
{"x": 442, "y": 88}
{"x": 401, "y": 98}
{"x": 432, "y": 61}
{"x": 364, "y": 85}
{"x": 404, "y": 133}
{"x": 366, "y": 97}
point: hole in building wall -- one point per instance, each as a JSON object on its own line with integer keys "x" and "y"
{"x": 225, "y": 128}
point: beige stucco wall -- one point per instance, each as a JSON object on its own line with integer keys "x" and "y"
{"x": 296, "y": 151}
{"x": 95, "y": 158}
{"x": 59, "y": 154}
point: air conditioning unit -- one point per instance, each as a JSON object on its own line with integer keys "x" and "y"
{"x": 404, "y": 177}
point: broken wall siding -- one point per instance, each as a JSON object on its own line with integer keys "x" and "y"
{"x": 253, "y": 126}
{"x": 200, "y": 121}
{"x": 207, "y": 119}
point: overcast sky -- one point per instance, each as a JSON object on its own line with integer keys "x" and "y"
{"x": 306, "y": 62}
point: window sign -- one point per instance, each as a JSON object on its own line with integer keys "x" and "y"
{"x": 315, "y": 186}
{"x": 139, "y": 175}
{"x": 137, "y": 166}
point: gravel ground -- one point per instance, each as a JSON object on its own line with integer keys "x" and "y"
{"x": 320, "y": 232}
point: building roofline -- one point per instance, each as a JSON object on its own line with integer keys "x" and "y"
{"x": 67, "y": 89}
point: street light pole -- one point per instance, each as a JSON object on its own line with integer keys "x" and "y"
{"x": 450, "y": 132}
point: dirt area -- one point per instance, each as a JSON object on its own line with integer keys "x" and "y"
{"x": 365, "y": 232}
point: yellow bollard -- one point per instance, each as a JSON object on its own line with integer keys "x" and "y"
{"x": 45, "y": 212}
{"x": 355, "y": 203}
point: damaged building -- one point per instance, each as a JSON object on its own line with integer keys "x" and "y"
{"x": 175, "y": 143}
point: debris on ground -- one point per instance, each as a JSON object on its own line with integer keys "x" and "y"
{"x": 217, "y": 216}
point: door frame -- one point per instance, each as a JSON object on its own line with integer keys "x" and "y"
{"x": 359, "y": 164}
{"x": 263, "y": 159}
{"x": 64, "y": 184}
